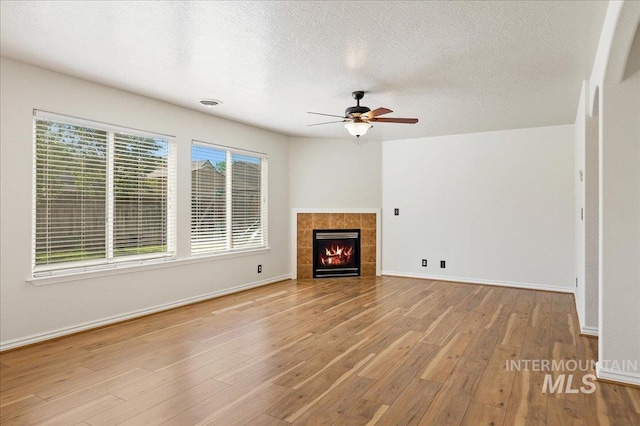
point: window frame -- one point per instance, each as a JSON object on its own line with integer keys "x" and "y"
{"x": 109, "y": 261}
{"x": 264, "y": 200}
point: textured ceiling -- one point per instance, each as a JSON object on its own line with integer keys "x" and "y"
{"x": 457, "y": 66}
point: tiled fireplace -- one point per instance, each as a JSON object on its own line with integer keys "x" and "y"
{"x": 308, "y": 222}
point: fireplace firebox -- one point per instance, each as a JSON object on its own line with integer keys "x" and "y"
{"x": 336, "y": 253}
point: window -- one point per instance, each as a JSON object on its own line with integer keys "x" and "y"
{"x": 102, "y": 195}
{"x": 228, "y": 199}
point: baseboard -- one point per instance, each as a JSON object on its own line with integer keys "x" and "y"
{"x": 528, "y": 286}
{"x": 589, "y": 331}
{"x": 617, "y": 376}
{"x": 16, "y": 343}
{"x": 585, "y": 330}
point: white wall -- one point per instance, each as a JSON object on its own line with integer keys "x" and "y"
{"x": 614, "y": 100}
{"x": 620, "y": 221}
{"x": 591, "y": 224}
{"x": 30, "y": 312}
{"x": 579, "y": 191}
{"x": 334, "y": 173}
{"x": 497, "y": 206}
{"x": 586, "y": 225}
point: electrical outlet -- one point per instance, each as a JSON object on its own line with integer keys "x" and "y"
{"x": 259, "y": 269}
{"x": 443, "y": 264}
{"x": 396, "y": 212}
{"x": 424, "y": 262}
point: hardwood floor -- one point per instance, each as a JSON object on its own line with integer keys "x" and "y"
{"x": 362, "y": 351}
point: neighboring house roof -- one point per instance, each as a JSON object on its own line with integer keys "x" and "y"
{"x": 195, "y": 166}
{"x": 249, "y": 171}
{"x": 201, "y": 164}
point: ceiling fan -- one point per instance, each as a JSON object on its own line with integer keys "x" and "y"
{"x": 358, "y": 118}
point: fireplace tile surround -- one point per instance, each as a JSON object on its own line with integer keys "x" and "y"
{"x": 307, "y": 222}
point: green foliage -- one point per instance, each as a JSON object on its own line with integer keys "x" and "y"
{"x": 65, "y": 154}
{"x": 221, "y": 166}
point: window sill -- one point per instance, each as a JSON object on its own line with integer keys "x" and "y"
{"x": 148, "y": 265}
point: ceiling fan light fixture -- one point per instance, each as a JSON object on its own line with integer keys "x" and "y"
{"x": 357, "y": 128}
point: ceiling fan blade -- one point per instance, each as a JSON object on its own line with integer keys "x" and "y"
{"x": 328, "y": 122}
{"x": 376, "y": 112}
{"x": 394, "y": 120}
{"x": 328, "y": 115}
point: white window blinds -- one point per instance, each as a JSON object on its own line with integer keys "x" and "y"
{"x": 208, "y": 200}
{"x": 246, "y": 201}
{"x": 228, "y": 199}
{"x": 102, "y": 194}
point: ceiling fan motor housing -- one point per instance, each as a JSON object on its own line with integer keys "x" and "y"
{"x": 356, "y": 111}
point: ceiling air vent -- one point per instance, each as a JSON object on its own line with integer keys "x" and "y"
{"x": 210, "y": 103}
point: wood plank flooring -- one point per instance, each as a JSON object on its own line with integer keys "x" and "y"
{"x": 350, "y": 351}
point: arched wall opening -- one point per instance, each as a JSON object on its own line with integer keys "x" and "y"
{"x": 619, "y": 182}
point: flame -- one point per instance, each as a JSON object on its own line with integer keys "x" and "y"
{"x": 336, "y": 255}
